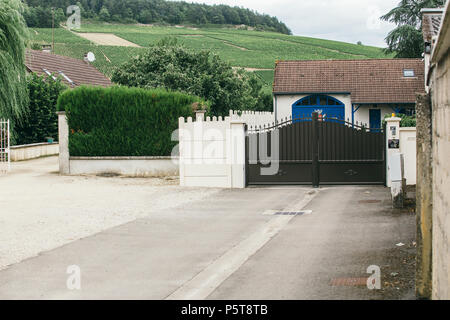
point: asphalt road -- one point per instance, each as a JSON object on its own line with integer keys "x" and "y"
{"x": 230, "y": 246}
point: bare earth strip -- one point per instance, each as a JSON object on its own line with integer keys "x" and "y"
{"x": 107, "y": 39}
{"x": 234, "y": 46}
{"x": 252, "y": 69}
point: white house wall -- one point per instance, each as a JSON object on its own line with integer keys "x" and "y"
{"x": 363, "y": 113}
{"x": 284, "y": 104}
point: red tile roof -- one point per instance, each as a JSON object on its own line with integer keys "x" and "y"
{"x": 368, "y": 81}
{"x": 79, "y": 71}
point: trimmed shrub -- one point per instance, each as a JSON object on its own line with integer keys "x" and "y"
{"x": 40, "y": 120}
{"x": 120, "y": 121}
{"x": 407, "y": 121}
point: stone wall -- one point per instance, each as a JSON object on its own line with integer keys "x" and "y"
{"x": 424, "y": 196}
{"x": 440, "y": 99}
{"x": 441, "y": 178}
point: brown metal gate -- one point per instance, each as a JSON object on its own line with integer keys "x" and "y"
{"x": 315, "y": 151}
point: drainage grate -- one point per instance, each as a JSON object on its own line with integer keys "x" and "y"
{"x": 370, "y": 201}
{"x": 108, "y": 175}
{"x": 293, "y": 213}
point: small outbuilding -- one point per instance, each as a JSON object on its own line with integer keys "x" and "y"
{"x": 357, "y": 91}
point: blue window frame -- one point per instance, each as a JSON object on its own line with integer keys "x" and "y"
{"x": 325, "y": 105}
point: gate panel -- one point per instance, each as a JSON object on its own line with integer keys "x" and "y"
{"x": 294, "y": 163}
{"x": 364, "y": 164}
{"x": 317, "y": 151}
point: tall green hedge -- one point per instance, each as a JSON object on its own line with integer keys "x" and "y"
{"x": 120, "y": 121}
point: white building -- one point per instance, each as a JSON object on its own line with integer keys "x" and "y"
{"x": 357, "y": 91}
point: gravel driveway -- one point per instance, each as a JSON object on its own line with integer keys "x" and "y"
{"x": 41, "y": 210}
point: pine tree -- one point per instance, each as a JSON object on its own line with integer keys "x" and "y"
{"x": 406, "y": 40}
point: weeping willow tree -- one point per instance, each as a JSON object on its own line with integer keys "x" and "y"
{"x": 13, "y": 36}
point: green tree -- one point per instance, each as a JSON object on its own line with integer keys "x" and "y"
{"x": 406, "y": 40}
{"x": 172, "y": 66}
{"x": 173, "y": 12}
{"x": 13, "y": 35}
{"x": 41, "y": 120}
{"x": 104, "y": 14}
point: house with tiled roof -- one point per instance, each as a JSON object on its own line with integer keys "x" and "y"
{"x": 358, "y": 91}
{"x": 73, "y": 72}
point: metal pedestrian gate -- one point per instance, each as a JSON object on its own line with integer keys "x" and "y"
{"x": 315, "y": 151}
{"x": 4, "y": 146}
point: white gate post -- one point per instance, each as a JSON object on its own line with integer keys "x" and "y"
{"x": 237, "y": 153}
{"x": 392, "y": 143}
{"x": 63, "y": 139}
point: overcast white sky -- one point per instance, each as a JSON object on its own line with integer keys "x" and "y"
{"x": 343, "y": 20}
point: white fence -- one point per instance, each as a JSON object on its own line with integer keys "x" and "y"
{"x": 408, "y": 149}
{"x": 253, "y": 118}
{"x": 212, "y": 150}
{"x": 5, "y": 161}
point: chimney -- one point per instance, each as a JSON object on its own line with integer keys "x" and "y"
{"x": 85, "y": 58}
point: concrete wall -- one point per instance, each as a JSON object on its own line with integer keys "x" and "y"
{"x": 32, "y": 151}
{"x": 440, "y": 94}
{"x": 212, "y": 152}
{"x": 128, "y": 166}
{"x": 408, "y": 149}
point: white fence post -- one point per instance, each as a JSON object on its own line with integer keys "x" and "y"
{"x": 396, "y": 172}
{"x": 212, "y": 151}
{"x": 392, "y": 143}
{"x": 237, "y": 153}
{"x": 63, "y": 133}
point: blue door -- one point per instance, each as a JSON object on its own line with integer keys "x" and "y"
{"x": 326, "y": 106}
{"x": 375, "y": 119}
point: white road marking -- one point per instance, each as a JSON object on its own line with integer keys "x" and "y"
{"x": 208, "y": 280}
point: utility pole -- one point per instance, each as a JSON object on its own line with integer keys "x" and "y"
{"x": 53, "y": 30}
